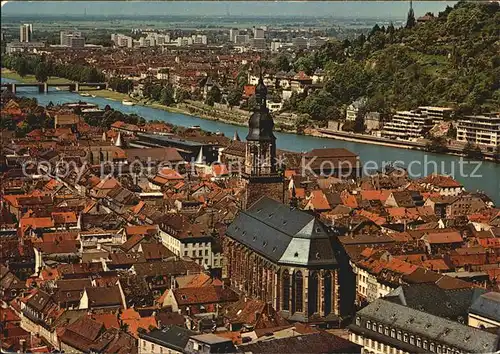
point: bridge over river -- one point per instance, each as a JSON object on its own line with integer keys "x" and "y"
{"x": 43, "y": 87}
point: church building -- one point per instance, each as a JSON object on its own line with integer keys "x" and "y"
{"x": 274, "y": 251}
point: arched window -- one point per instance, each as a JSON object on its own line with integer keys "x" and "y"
{"x": 327, "y": 296}
{"x": 358, "y": 320}
{"x": 368, "y": 324}
{"x": 393, "y": 333}
{"x": 405, "y": 337}
{"x": 299, "y": 290}
{"x": 431, "y": 347}
{"x": 286, "y": 290}
{"x": 312, "y": 294}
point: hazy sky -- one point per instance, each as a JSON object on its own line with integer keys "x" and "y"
{"x": 341, "y": 9}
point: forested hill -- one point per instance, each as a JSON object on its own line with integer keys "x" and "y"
{"x": 452, "y": 59}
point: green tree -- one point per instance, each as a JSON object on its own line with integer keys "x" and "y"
{"x": 437, "y": 144}
{"x": 41, "y": 72}
{"x": 21, "y": 67}
{"x": 281, "y": 63}
{"x": 213, "y": 96}
{"x": 472, "y": 151}
{"x": 234, "y": 97}
{"x": 181, "y": 95}
{"x": 410, "y": 19}
{"x": 359, "y": 122}
{"x": 167, "y": 95}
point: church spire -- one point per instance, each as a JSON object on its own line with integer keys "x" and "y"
{"x": 261, "y": 124}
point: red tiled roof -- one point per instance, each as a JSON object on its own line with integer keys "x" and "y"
{"x": 219, "y": 170}
{"x": 169, "y": 174}
{"x": 443, "y": 237}
{"x": 204, "y": 295}
{"x": 318, "y": 200}
{"x": 140, "y": 229}
{"x": 109, "y": 320}
{"x": 441, "y": 181}
{"x": 248, "y": 90}
{"x": 381, "y": 195}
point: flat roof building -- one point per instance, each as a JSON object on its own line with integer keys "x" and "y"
{"x": 480, "y": 129}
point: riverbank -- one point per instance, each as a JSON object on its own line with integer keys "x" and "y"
{"x": 30, "y": 79}
{"x": 237, "y": 117}
{"x": 373, "y": 140}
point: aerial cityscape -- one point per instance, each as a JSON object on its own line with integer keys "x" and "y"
{"x": 250, "y": 177}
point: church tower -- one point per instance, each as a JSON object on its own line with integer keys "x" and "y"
{"x": 260, "y": 174}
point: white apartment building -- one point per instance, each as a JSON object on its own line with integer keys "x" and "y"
{"x": 121, "y": 40}
{"x": 437, "y": 114}
{"x": 241, "y": 39}
{"x": 184, "y": 41}
{"x": 408, "y": 125}
{"x": 198, "y": 248}
{"x": 274, "y": 106}
{"x": 299, "y": 42}
{"x": 259, "y": 43}
{"x": 66, "y": 36}
{"x": 25, "y": 32}
{"x": 275, "y": 46}
{"x": 199, "y": 39}
{"x": 481, "y": 129}
{"x": 233, "y": 32}
{"x": 367, "y": 285}
{"x": 353, "y": 109}
{"x": 259, "y": 33}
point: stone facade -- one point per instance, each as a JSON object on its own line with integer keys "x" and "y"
{"x": 270, "y": 186}
{"x": 302, "y": 294}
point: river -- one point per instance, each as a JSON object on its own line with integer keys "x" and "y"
{"x": 485, "y": 177}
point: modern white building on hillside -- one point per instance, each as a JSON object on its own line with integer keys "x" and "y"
{"x": 408, "y": 125}
{"x": 480, "y": 129}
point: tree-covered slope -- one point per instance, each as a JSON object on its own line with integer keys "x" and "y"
{"x": 452, "y": 60}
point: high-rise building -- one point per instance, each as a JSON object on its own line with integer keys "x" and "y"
{"x": 258, "y": 33}
{"x": 25, "y": 32}
{"x": 199, "y": 39}
{"x": 259, "y": 43}
{"x": 77, "y": 42}
{"x": 242, "y": 39}
{"x": 66, "y": 36}
{"x": 233, "y": 32}
{"x": 299, "y": 42}
{"x": 480, "y": 129}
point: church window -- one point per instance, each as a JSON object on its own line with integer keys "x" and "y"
{"x": 286, "y": 290}
{"x": 299, "y": 290}
{"x": 313, "y": 293}
{"x": 327, "y": 296}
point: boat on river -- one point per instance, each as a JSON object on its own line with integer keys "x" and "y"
{"x": 128, "y": 103}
